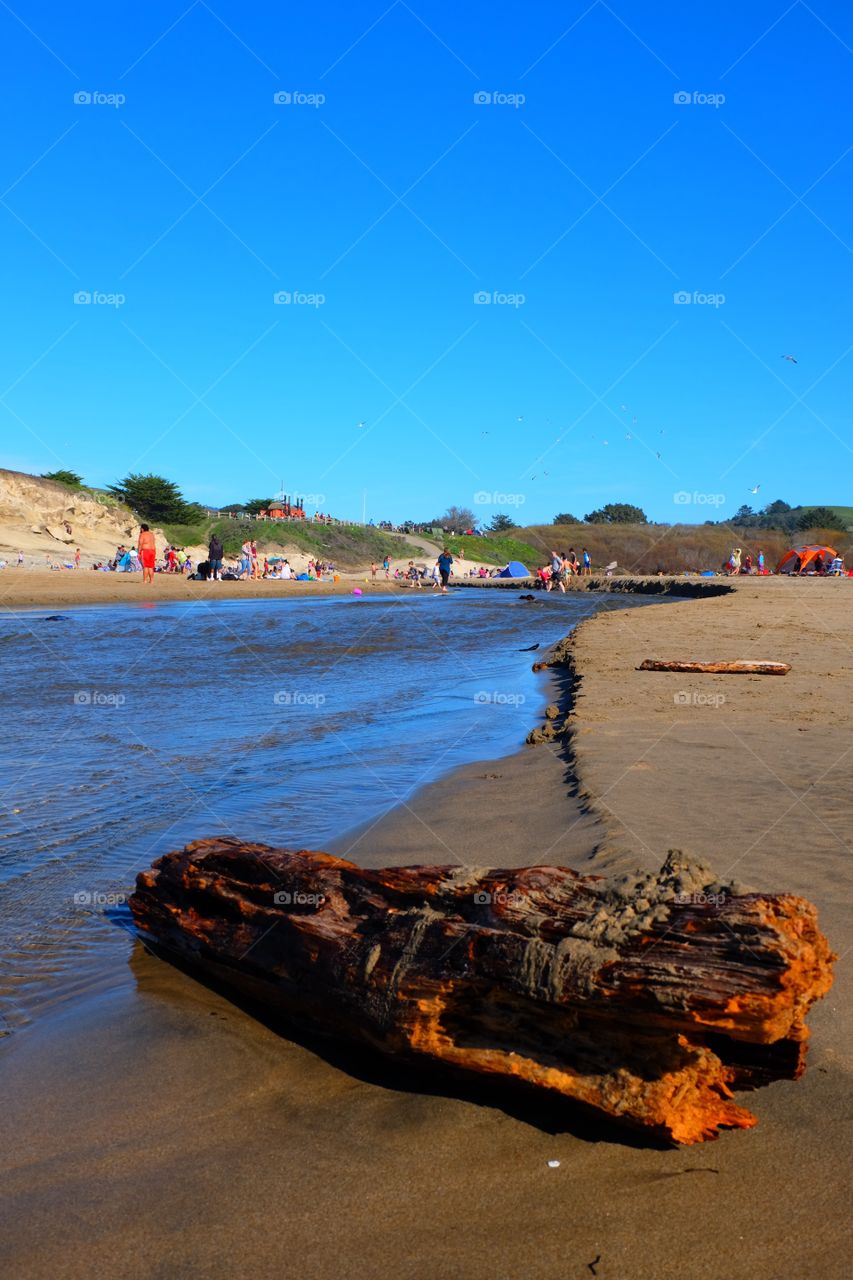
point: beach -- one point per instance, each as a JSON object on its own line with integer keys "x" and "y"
{"x": 34, "y": 588}
{"x": 161, "y": 1131}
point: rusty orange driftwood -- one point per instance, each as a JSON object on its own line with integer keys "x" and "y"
{"x": 650, "y": 997}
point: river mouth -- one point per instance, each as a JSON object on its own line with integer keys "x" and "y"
{"x": 130, "y": 732}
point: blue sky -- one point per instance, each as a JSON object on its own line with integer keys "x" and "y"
{"x": 382, "y": 198}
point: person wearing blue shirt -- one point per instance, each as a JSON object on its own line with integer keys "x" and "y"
{"x": 445, "y": 563}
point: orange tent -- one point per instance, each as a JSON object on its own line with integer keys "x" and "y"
{"x": 807, "y": 555}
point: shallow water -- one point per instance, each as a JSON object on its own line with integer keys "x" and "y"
{"x": 131, "y": 730}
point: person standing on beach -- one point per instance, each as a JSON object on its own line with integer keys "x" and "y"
{"x": 761, "y": 562}
{"x": 147, "y": 554}
{"x": 386, "y": 565}
{"x": 587, "y": 563}
{"x": 215, "y": 556}
{"x": 245, "y": 559}
{"x": 445, "y": 566}
{"x": 77, "y": 558}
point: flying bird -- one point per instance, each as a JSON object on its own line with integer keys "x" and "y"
{"x": 793, "y": 359}
{"x": 520, "y": 418}
{"x": 755, "y": 488}
{"x": 624, "y": 408}
{"x": 628, "y": 436}
{"x": 361, "y": 424}
{"x": 657, "y": 455}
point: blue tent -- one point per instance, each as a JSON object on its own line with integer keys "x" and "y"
{"x": 515, "y": 569}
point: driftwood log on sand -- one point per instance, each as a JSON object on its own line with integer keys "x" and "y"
{"x": 717, "y": 668}
{"x": 648, "y": 997}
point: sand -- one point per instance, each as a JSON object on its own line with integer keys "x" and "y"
{"x": 36, "y": 588}
{"x": 160, "y": 1131}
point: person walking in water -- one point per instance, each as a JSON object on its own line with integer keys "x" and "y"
{"x": 445, "y": 565}
{"x": 147, "y": 554}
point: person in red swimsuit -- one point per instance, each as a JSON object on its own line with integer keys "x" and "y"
{"x": 147, "y": 553}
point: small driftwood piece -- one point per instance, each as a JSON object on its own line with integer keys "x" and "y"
{"x": 717, "y": 668}
{"x": 649, "y": 997}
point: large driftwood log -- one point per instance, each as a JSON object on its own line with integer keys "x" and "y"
{"x": 649, "y": 997}
{"x": 717, "y": 668}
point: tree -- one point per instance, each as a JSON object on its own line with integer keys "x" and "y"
{"x": 819, "y": 518}
{"x": 457, "y": 519}
{"x": 565, "y": 518}
{"x": 776, "y": 508}
{"x": 157, "y": 499}
{"x": 254, "y": 505}
{"x": 617, "y": 513}
{"x": 69, "y": 478}
{"x": 501, "y": 524}
{"x": 743, "y": 515}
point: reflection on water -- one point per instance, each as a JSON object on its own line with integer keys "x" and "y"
{"x": 131, "y": 730}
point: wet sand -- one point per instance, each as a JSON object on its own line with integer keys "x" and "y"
{"x": 26, "y": 588}
{"x": 161, "y": 1131}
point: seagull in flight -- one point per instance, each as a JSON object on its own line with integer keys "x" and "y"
{"x": 793, "y": 359}
{"x": 755, "y": 488}
{"x": 361, "y": 424}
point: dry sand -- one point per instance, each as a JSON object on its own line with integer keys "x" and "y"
{"x": 160, "y": 1131}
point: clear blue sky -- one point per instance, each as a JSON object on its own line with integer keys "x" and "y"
{"x": 397, "y": 199}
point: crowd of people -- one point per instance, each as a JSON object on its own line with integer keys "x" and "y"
{"x": 561, "y": 567}
{"x": 742, "y": 563}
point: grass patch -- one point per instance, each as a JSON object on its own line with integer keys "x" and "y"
{"x": 348, "y": 546}
{"x": 495, "y": 549}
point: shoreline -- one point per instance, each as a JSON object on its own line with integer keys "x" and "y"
{"x": 39, "y": 588}
{"x": 410, "y": 1182}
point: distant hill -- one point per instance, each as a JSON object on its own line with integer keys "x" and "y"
{"x": 648, "y": 548}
